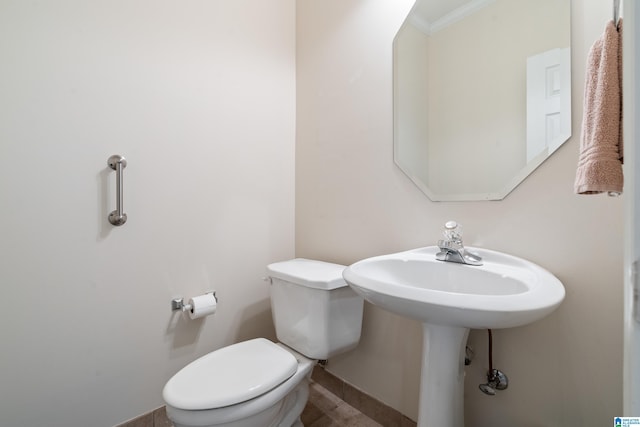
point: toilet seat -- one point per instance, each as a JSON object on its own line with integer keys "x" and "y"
{"x": 256, "y": 411}
{"x": 230, "y": 375}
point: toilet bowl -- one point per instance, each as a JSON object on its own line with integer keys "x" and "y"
{"x": 270, "y": 388}
{"x": 259, "y": 383}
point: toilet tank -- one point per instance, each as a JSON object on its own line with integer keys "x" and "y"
{"x": 314, "y": 311}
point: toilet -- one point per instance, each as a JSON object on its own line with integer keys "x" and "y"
{"x": 259, "y": 383}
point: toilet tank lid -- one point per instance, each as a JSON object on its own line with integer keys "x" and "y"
{"x": 309, "y": 273}
{"x": 230, "y": 375}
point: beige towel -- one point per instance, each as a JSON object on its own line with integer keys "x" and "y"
{"x": 600, "y": 163}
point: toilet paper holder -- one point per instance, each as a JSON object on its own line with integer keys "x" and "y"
{"x": 178, "y": 303}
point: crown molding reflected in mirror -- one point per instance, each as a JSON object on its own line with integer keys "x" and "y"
{"x": 482, "y": 94}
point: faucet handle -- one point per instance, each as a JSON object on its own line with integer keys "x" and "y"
{"x": 449, "y": 225}
{"x": 453, "y": 231}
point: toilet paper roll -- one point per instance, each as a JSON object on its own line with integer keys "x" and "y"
{"x": 202, "y": 305}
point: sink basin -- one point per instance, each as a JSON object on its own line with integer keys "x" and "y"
{"x": 504, "y": 292}
{"x": 449, "y": 299}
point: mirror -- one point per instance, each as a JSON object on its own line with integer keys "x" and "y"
{"x": 482, "y": 93}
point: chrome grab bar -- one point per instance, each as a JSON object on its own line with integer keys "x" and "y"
{"x": 118, "y": 163}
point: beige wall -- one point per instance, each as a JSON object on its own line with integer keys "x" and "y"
{"x": 199, "y": 96}
{"x": 352, "y": 202}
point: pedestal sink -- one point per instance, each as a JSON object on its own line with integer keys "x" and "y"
{"x": 449, "y": 299}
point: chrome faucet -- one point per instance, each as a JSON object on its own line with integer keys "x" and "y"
{"x": 452, "y": 249}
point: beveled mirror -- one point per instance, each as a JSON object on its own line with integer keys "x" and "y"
{"x": 482, "y": 93}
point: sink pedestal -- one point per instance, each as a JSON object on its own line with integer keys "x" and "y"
{"x": 442, "y": 381}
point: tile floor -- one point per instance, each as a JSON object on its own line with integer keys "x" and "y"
{"x": 325, "y": 409}
{"x": 345, "y": 393}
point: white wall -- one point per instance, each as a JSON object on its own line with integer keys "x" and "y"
{"x": 352, "y": 202}
{"x": 200, "y": 98}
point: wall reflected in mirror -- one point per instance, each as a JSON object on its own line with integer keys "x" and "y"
{"x": 482, "y": 93}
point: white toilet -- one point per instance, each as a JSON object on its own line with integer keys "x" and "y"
{"x": 258, "y": 383}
